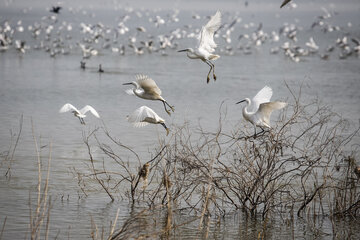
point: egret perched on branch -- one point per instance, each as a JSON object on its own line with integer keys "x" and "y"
{"x": 146, "y": 88}
{"x": 79, "y": 113}
{"x": 206, "y": 44}
{"x": 261, "y": 108}
{"x": 145, "y": 115}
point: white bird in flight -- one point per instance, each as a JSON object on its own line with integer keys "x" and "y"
{"x": 145, "y": 115}
{"x": 261, "y": 108}
{"x": 206, "y": 44}
{"x": 79, "y": 113}
{"x": 146, "y": 88}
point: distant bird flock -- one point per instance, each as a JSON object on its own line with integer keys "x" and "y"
{"x": 56, "y": 38}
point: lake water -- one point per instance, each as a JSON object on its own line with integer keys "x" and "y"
{"x": 35, "y": 86}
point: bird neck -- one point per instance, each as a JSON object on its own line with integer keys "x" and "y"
{"x": 136, "y": 86}
{"x": 191, "y": 54}
{"x": 137, "y": 92}
{"x": 245, "y": 111}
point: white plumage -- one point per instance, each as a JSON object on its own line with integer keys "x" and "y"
{"x": 145, "y": 115}
{"x": 264, "y": 95}
{"x": 207, "y": 44}
{"x": 260, "y": 108}
{"x": 79, "y": 113}
{"x": 146, "y": 88}
{"x": 206, "y": 37}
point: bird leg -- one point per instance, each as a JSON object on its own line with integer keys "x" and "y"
{"x": 211, "y": 67}
{"x": 82, "y": 121}
{"x": 167, "y": 130}
{"x": 257, "y": 134}
{"x": 254, "y": 136}
{"x": 167, "y": 111}
{"x": 171, "y": 107}
{"x": 262, "y": 130}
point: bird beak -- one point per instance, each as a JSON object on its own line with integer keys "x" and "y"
{"x": 129, "y": 83}
{"x": 184, "y": 50}
{"x": 241, "y": 101}
{"x": 167, "y": 131}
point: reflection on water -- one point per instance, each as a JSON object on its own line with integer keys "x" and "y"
{"x": 36, "y": 84}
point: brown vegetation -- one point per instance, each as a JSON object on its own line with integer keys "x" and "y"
{"x": 304, "y": 166}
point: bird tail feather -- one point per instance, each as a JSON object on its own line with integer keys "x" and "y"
{"x": 214, "y": 57}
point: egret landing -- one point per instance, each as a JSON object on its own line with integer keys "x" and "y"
{"x": 207, "y": 45}
{"x": 146, "y": 88}
{"x": 261, "y": 109}
{"x": 145, "y": 115}
{"x": 80, "y": 114}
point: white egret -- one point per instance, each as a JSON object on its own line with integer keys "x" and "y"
{"x": 261, "y": 108}
{"x": 79, "y": 113}
{"x": 145, "y": 115}
{"x": 146, "y": 88}
{"x": 137, "y": 50}
{"x": 312, "y": 45}
{"x": 206, "y": 44}
{"x": 20, "y": 46}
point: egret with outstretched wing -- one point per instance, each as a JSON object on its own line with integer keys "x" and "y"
{"x": 146, "y": 88}
{"x": 258, "y": 110}
{"x": 207, "y": 44}
{"x": 79, "y": 113}
{"x": 145, "y": 115}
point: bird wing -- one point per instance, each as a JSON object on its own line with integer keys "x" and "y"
{"x": 262, "y": 96}
{"x": 140, "y": 124}
{"x": 130, "y": 91}
{"x": 68, "y": 107}
{"x": 138, "y": 116}
{"x": 91, "y": 109}
{"x": 206, "y": 38}
{"x": 266, "y": 109}
{"x": 148, "y": 84}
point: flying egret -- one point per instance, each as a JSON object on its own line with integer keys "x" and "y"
{"x": 79, "y": 113}
{"x": 145, "y": 115}
{"x": 206, "y": 44}
{"x": 146, "y": 88}
{"x": 261, "y": 108}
